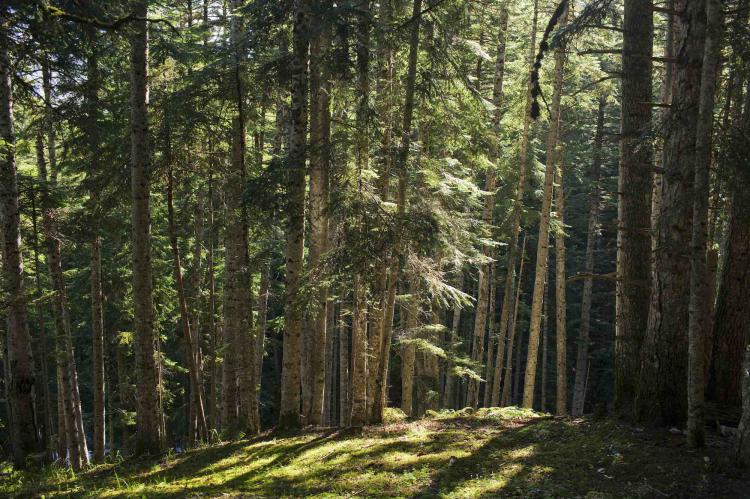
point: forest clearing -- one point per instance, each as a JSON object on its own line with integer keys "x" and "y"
{"x": 375, "y": 248}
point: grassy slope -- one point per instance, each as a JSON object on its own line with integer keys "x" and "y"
{"x": 497, "y": 453}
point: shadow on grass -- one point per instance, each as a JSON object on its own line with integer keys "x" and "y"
{"x": 457, "y": 457}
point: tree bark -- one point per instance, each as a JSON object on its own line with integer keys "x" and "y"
{"x": 149, "y": 436}
{"x": 553, "y": 139}
{"x": 732, "y": 307}
{"x": 20, "y": 385}
{"x": 699, "y": 306}
{"x": 319, "y": 171}
{"x": 663, "y": 383}
{"x": 506, "y": 312}
{"x": 289, "y": 416}
{"x": 65, "y": 351}
{"x": 505, "y": 399}
{"x": 582, "y": 357}
{"x": 634, "y": 200}
{"x": 97, "y": 314}
{"x": 561, "y": 404}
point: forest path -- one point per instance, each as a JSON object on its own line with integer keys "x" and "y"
{"x": 506, "y": 452}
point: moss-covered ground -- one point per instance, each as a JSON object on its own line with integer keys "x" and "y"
{"x": 495, "y": 453}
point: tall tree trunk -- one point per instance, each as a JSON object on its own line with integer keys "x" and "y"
{"x": 360, "y": 346}
{"x": 483, "y": 293}
{"x": 449, "y": 392}
{"x": 289, "y": 416}
{"x": 240, "y": 410}
{"x": 663, "y": 378}
{"x": 66, "y": 352}
{"x": 634, "y": 200}
{"x": 319, "y": 165}
{"x": 401, "y": 200}
{"x": 492, "y": 391}
{"x": 149, "y": 436}
{"x": 97, "y": 314}
{"x": 493, "y": 343}
{"x": 380, "y": 310}
{"x": 545, "y": 346}
{"x": 732, "y": 307}
{"x": 561, "y": 318}
{"x": 699, "y": 306}
{"x": 582, "y": 357}
{"x": 344, "y": 401}
{"x": 20, "y": 385}
{"x": 213, "y": 331}
{"x": 553, "y": 145}
{"x": 508, "y": 306}
{"x": 506, "y": 397}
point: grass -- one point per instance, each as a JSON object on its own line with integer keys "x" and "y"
{"x": 507, "y": 452}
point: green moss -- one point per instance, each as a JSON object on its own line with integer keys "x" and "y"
{"x": 508, "y": 452}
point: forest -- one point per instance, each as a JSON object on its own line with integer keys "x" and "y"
{"x": 375, "y": 248}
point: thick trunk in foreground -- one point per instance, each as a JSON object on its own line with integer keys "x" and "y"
{"x": 149, "y": 436}
{"x": 553, "y": 138}
{"x": 732, "y": 307}
{"x": 582, "y": 357}
{"x": 634, "y": 200}
{"x": 239, "y": 411}
{"x": 289, "y": 414}
{"x": 662, "y": 391}
{"x": 700, "y": 306}
{"x": 20, "y": 386}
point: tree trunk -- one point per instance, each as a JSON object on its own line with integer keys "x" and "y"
{"x": 319, "y": 166}
{"x": 506, "y": 312}
{"x": 148, "y": 416}
{"x": 213, "y": 330}
{"x": 561, "y": 405}
{"x": 20, "y": 385}
{"x": 384, "y": 95}
{"x": 508, "y": 384}
{"x": 742, "y": 444}
{"x": 663, "y": 378}
{"x": 359, "y": 356}
{"x": 732, "y": 307}
{"x": 401, "y": 200}
{"x": 545, "y": 346}
{"x": 553, "y": 153}
{"x": 97, "y": 315}
{"x": 408, "y": 355}
{"x": 289, "y": 416}
{"x": 699, "y": 306}
{"x": 66, "y": 353}
{"x": 634, "y": 200}
{"x": 582, "y": 358}
{"x": 493, "y": 341}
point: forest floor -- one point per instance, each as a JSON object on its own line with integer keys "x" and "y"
{"x": 506, "y": 452}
